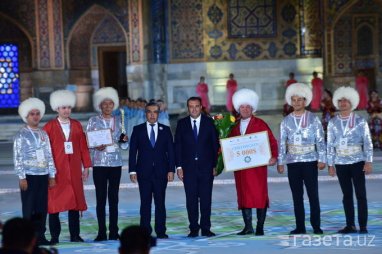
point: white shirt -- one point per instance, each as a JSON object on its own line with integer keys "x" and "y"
{"x": 148, "y": 126}
{"x": 197, "y": 122}
{"x": 243, "y": 125}
{"x": 65, "y": 128}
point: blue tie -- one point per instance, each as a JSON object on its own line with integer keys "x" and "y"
{"x": 195, "y": 130}
{"x": 152, "y": 135}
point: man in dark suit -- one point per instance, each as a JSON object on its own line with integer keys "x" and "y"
{"x": 152, "y": 164}
{"x": 196, "y": 147}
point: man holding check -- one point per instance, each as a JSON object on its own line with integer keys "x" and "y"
{"x": 302, "y": 148}
{"x": 251, "y": 184}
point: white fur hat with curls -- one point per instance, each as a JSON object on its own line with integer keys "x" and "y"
{"x": 103, "y": 94}
{"x": 62, "y": 98}
{"x": 300, "y": 90}
{"x": 245, "y": 96}
{"x": 30, "y": 104}
{"x": 348, "y": 93}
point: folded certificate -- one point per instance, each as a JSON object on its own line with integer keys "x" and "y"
{"x": 248, "y": 151}
{"x": 99, "y": 137}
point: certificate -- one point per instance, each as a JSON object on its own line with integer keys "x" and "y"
{"x": 248, "y": 151}
{"x": 99, "y": 137}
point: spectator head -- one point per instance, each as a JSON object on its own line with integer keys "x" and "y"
{"x": 291, "y": 75}
{"x": 136, "y": 240}
{"x": 19, "y": 235}
{"x": 162, "y": 105}
{"x": 202, "y": 78}
{"x": 231, "y": 76}
{"x": 315, "y": 74}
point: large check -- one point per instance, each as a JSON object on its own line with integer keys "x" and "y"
{"x": 248, "y": 151}
{"x": 99, "y": 137}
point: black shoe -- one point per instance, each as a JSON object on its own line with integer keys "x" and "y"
{"x": 77, "y": 239}
{"x": 193, "y": 234}
{"x": 54, "y": 241}
{"x": 246, "y": 231}
{"x": 259, "y": 231}
{"x": 318, "y": 231}
{"x": 100, "y": 238}
{"x": 297, "y": 232}
{"x": 208, "y": 233}
{"x": 363, "y": 230}
{"x": 162, "y": 236}
{"x": 347, "y": 230}
{"x": 114, "y": 237}
{"x": 43, "y": 241}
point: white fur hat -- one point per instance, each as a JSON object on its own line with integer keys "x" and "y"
{"x": 103, "y": 94}
{"x": 61, "y": 98}
{"x": 30, "y": 104}
{"x": 348, "y": 93}
{"x": 245, "y": 96}
{"x": 300, "y": 90}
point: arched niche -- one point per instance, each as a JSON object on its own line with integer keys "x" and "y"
{"x": 12, "y": 31}
{"x": 80, "y": 37}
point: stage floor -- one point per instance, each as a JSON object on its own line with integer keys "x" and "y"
{"x": 226, "y": 220}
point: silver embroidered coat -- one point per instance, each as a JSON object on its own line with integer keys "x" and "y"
{"x": 312, "y": 135}
{"x": 357, "y": 136}
{"x": 25, "y": 160}
{"x": 103, "y": 158}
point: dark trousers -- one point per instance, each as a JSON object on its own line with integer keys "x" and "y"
{"x": 352, "y": 175}
{"x": 106, "y": 182}
{"x": 55, "y": 224}
{"x": 35, "y": 202}
{"x": 301, "y": 173}
{"x": 149, "y": 189}
{"x": 198, "y": 188}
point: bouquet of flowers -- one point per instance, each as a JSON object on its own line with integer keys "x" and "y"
{"x": 224, "y": 124}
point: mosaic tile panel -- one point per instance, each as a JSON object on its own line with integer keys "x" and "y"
{"x": 272, "y": 49}
{"x": 159, "y": 30}
{"x": 215, "y": 34}
{"x": 252, "y": 50}
{"x": 343, "y": 46}
{"x": 311, "y": 36}
{"x": 43, "y": 34}
{"x": 252, "y": 18}
{"x": 215, "y": 14}
{"x": 186, "y": 24}
{"x": 9, "y": 30}
{"x": 21, "y": 11}
{"x": 344, "y": 31}
{"x": 135, "y": 22}
{"x": 289, "y": 33}
{"x": 50, "y": 36}
{"x": 79, "y": 45}
{"x": 58, "y": 40}
{"x": 74, "y": 9}
{"x": 218, "y": 46}
{"x": 288, "y": 13}
{"x": 108, "y": 31}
